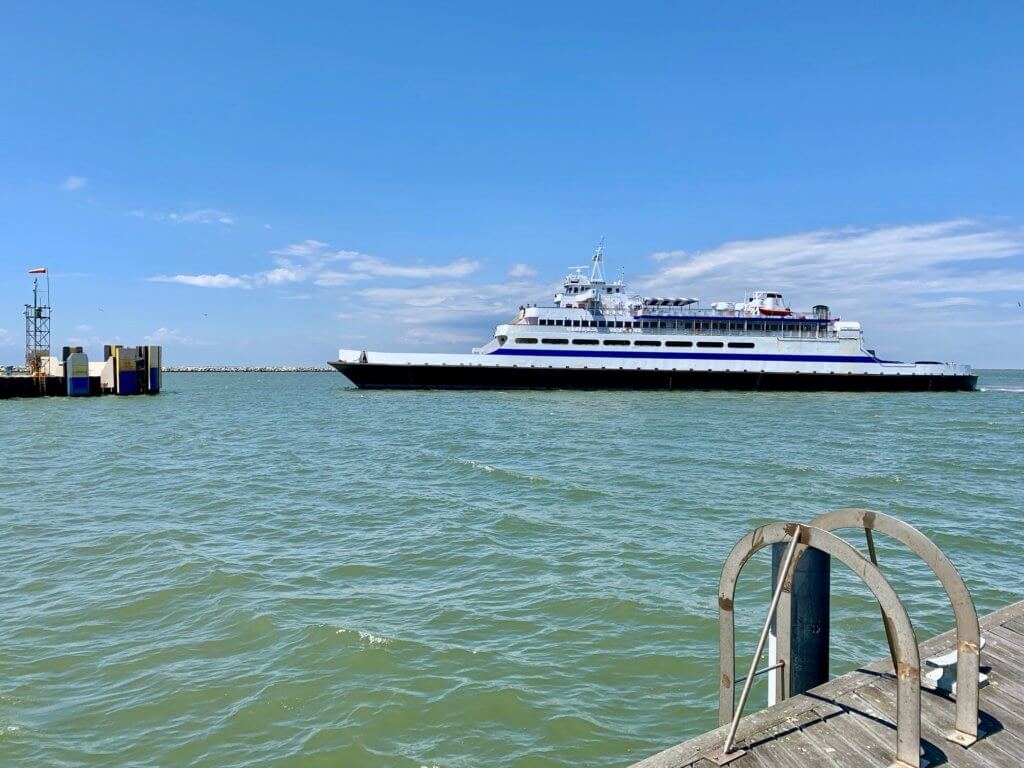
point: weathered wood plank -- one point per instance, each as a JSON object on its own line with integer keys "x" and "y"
{"x": 1017, "y": 625}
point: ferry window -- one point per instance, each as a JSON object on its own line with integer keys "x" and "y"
{"x": 576, "y": 323}
{"x": 664, "y": 324}
{"x": 584, "y": 341}
{"x": 646, "y": 343}
{"x": 600, "y": 323}
{"x": 616, "y": 342}
{"x": 678, "y": 343}
{"x": 554, "y": 341}
{"x": 741, "y": 344}
{"x": 709, "y": 343}
{"x": 523, "y": 340}
{"x": 618, "y": 323}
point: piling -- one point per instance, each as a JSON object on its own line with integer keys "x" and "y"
{"x": 809, "y": 625}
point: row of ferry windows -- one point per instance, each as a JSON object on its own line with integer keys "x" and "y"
{"x": 638, "y": 343}
{"x": 584, "y": 288}
{"x": 685, "y": 325}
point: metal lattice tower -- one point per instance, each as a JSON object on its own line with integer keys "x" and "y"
{"x": 37, "y": 326}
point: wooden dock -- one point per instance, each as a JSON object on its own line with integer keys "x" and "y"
{"x": 851, "y": 720}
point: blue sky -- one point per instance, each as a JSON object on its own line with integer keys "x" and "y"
{"x": 258, "y": 183}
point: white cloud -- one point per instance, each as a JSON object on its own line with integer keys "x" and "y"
{"x": 165, "y": 335}
{"x": 205, "y": 281}
{"x": 879, "y": 267}
{"x": 437, "y": 336}
{"x": 281, "y": 275}
{"x": 201, "y": 216}
{"x": 371, "y": 265}
{"x": 522, "y": 271}
{"x": 5, "y": 336}
{"x": 313, "y": 261}
{"x": 73, "y": 183}
{"x": 331, "y": 278}
{"x": 305, "y": 248}
{"x": 445, "y": 300}
{"x": 198, "y": 216}
{"x": 949, "y": 301}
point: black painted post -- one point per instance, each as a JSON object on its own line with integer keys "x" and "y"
{"x": 810, "y": 620}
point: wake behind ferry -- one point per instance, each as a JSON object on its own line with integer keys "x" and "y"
{"x": 596, "y": 335}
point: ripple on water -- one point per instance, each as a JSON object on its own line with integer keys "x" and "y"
{"x": 274, "y": 570}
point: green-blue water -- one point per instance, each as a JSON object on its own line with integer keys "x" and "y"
{"x": 275, "y": 570}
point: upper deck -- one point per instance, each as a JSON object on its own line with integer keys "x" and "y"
{"x": 590, "y": 303}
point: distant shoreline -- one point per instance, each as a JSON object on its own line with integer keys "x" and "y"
{"x": 248, "y": 369}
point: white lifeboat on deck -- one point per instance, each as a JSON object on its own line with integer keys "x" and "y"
{"x": 767, "y": 303}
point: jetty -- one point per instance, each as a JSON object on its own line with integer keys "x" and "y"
{"x": 248, "y": 369}
{"x": 955, "y": 700}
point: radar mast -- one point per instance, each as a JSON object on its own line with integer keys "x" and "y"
{"x": 597, "y": 270}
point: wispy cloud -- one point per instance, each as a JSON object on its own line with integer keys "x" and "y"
{"x": 304, "y": 249}
{"x": 312, "y": 261}
{"x": 879, "y": 269}
{"x": 521, "y": 271}
{"x": 432, "y": 336}
{"x": 74, "y": 183}
{"x": 204, "y": 281}
{"x": 5, "y": 337}
{"x": 197, "y": 216}
{"x": 171, "y": 336}
{"x": 369, "y": 265}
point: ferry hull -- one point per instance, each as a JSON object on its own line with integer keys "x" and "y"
{"x": 389, "y": 376}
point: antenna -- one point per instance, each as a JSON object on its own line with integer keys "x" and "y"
{"x": 37, "y": 324}
{"x": 596, "y": 272}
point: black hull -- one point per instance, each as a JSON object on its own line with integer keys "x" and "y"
{"x": 372, "y": 376}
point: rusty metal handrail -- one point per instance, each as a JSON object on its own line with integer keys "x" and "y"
{"x": 748, "y": 680}
{"x": 908, "y": 669}
{"x": 968, "y": 632}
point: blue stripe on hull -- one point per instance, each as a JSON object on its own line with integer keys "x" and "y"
{"x": 686, "y": 356}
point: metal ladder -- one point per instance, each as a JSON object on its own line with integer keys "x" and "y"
{"x": 899, "y": 631}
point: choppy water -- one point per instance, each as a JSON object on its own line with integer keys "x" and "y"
{"x": 275, "y": 570}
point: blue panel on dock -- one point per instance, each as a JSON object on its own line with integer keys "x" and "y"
{"x": 78, "y": 386}
{"x": 127, "y": 383}
{"x": 154, "y": 380}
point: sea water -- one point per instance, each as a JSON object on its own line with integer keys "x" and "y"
{"x": 280, "y": 570}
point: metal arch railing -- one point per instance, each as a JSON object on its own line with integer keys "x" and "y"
{"x": 908, "y": 666}
{"x": 968, "y": 632}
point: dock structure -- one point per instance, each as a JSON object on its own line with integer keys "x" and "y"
{"x": 851, "y": 721}
{"x": 967, "y": 710}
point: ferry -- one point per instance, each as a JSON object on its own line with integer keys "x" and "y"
{"x": 597, "y": 335}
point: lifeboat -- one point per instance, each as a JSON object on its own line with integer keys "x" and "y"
{"x": 775, "y": 311}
